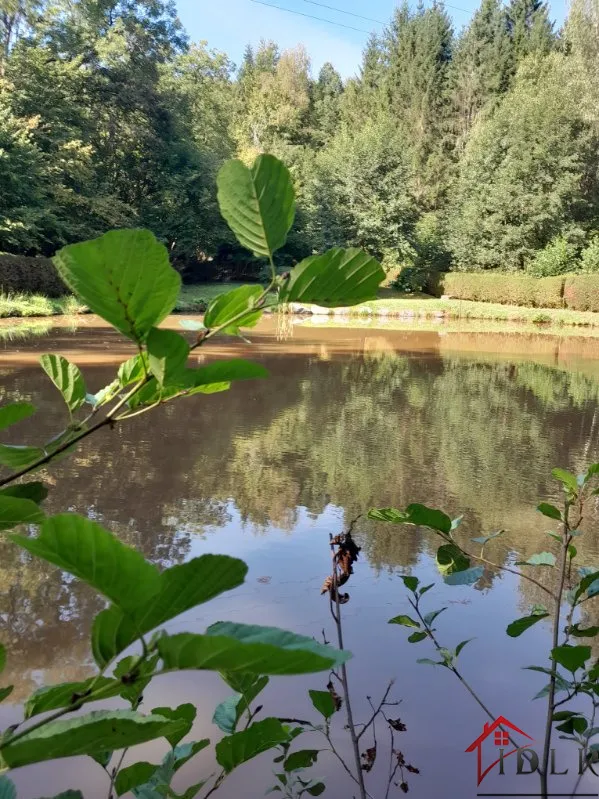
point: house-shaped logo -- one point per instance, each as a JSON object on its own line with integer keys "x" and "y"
{"x": 496, "y": 737}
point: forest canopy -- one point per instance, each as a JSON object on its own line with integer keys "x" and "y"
{"x": 473, "y": 149}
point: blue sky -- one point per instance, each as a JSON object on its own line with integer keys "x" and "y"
{"x": 231, "y": 24}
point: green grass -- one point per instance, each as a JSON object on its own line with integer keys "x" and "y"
{"x": 195, "y": 299}
{"x": 393, "y": 303}
{"x": 28, "y": 305}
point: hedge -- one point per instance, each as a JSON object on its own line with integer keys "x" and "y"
{"x": 22, "y": 274}
{"x": 581, "y": 292}
{"x": 502, "y": 288}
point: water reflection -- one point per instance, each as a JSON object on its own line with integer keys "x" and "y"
{"x": 268, "y": 469}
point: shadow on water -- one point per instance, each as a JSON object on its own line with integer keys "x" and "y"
{"x": 349, "y": 419}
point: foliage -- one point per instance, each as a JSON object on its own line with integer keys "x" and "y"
{"x": 508, "y": 289}
{"x": 126, "y": 278}
{"x": 580, "y": 292}
{"x": 572, "y": 671}
{"x": 589, "y": 257}
{"x": 18, "y": 273}
{"x": 557, "y": 258}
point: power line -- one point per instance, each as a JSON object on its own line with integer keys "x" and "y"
{"x": 349, "y": 13}
{"x": 310, "y": 16}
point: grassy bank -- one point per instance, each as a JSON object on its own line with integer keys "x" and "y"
{"x": 194, "y": 300}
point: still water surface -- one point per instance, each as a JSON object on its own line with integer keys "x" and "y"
{"x": 349, "y": 419}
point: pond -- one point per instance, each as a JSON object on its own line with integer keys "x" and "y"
{"x": 465, "y": 421}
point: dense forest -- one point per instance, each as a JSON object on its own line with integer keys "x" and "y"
{"x": 473, "y": 150}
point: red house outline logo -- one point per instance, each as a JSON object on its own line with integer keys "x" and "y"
{"x": 501, "y": 739}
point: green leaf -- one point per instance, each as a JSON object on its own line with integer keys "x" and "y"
{"x": 550, "y": 511}
{"x": 461, "y": 645}
{"x": 184, "y": 752}
{"x": 258, "y": 204}
{"x": 67, "y": 795}
{"x": 451, "y": 559}
{"x": 132, "y": 776}
{"x": 415, "y": 638}
{"x": 133, "y": 370}
{"x": 227, "y": 646}
{"x": 571, "y": 658}
{"x": 192, "y": 324}
{"x": 7, "y": 789}
{"x": 484, "y": 539}
{"x": 516, "y": 628}
{"x": 574, "y": 724}
{"x": 338, "y": 277}
{"x": 17, "y": 457}
{"x": 227, "y": 307}
{"x": 67, "y": 378}
{"x": 2, "y": 658}
{"x": 429, "y": 662}
{"x": 135, "y": 676}
{"x": 84, "y": 735}
{"x": 6, "y": 692}
{"x": 184, "y": 713}
{"x": 426, "y": 588}
{"x": 303, "y": 758}
{"x": 225, "y": 715}
{"x": 430, "y": 617}
{"x": 236, "y": 749}
{"x": 587, "y": 632}
{"x": 567, "y": 479}
{"x": 14, "y": 511}
{"x": 54, "y": 697}
{"x": 88, "y": 551}
{"x": 323, "y": 702}
{"x": 415, "y": 514}
{"x": 411, "y": 583}
{"x": 538, "y": 559}
{"x": 405, "y": 621}
{"x": 167, "y": 354}
{"x": 317, "y": 789}
{"x": 125, "y": 277}
{"x": 102, "y": 758}
{"x": 248, "y": 686}
{"x": 180, "y": 588}
{"x": 467, "y": 577}
{"x": 15, "y": 412}
{"x": 36, "y": 492}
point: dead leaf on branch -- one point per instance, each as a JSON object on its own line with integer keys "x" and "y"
{"x": 369, "y": 758}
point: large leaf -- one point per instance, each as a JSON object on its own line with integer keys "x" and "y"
{"x": 181, "y": 588}
{"x": 258, "y": 204}
{"x": 227, "y": 646}
{"x": 84, "y": 735}
{"x": 405, "y": 621}
{"x": 54, "y": 697}
{"x": 538, "y": 559}
{"x": 125, "y": 277}
{"x": 184, "y": 713}
{"x": 567, "y": 479}
{"x": 303, "y": 758}
{"x": 236, "y": 749}
{"x": 36, "y": 492}
{"x": 7, "y": 789}
{"x": 90, "y": 552}
{"x": 451, "y": 559}
{"x": 519, "y": 626}
{"x": 133, "y": 370}
{"x": 466, "y": 577}
{"x": 134, "y": 775}
{"x": 15, "y": 511}
{"x": 549, "y": 510}
{"x": 16, "y": 457}
{"x": 416, "y": 514}
{"x": 227, "y": 307}
{"x": 337, "y": 277}
{"x": 15, "y": 412}
{"x": 67, "y": 378}
{"x": 571, "y": 658}
{"x": 167, "y": 354}
{"x": 323, "y": 702}
{"x": 225, "y": 715}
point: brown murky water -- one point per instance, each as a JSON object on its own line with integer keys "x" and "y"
{"x": 350, "y": 418}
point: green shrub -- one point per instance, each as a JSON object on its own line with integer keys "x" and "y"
{"x": 581, "y": 292}
{"x": 506, "y": 289}
{"x": 20, "y": 273}
{"x": 589, "y": 259}
{"x": 558, "y": 258}
{"x": 411, "y": 280}
{"x": 431, "y": 252}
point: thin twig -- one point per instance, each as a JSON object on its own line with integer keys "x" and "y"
{"x": 376, "y": 711}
